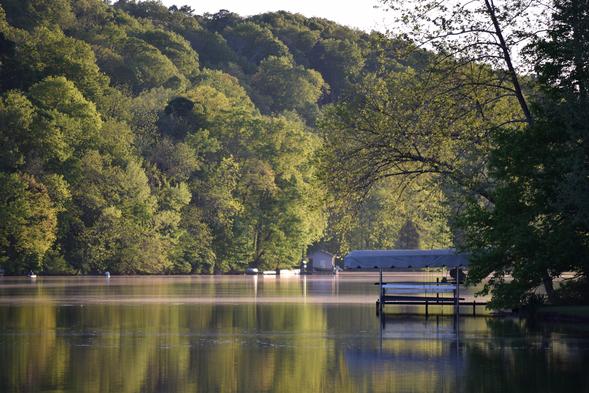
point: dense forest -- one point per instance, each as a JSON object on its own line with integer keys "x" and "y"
{"x": 138, "y": 138}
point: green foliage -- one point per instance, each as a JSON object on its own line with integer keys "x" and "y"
{"x": 339, "y": 61}
{"x": 561, "y": 58}
{"x": 146, "y": 67}
{"x": 282, "y": 85}
{"x": 48, "y": 52}
{"x": 116, "y": 220}
{"x": 536, "y": 228}
{"x": 294, "y": 31}
{"x": 28, "y": 223}
{"x": 65, "y": 124}
{"x": 121, "y": 152}
{"x": 177, "y": 161}
{"x": 520, "y": 235}
{"x": 253, "y": 42}
{"x": 195, "y": 250}
{"x": 212, "y": 47}
{"x": 145, "y": 112}
{"x": 16, "y": 119}
{"x": 176, "y": 48}
{"x": 31, "y": 13}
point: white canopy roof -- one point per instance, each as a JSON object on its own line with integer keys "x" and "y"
{"x": 390, "y": 259}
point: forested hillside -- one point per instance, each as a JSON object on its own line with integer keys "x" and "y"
{"x": 141, "y": 139}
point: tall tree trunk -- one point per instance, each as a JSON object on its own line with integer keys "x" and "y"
{"x": 510, "y": 68}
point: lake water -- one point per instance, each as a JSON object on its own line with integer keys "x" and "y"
{"x": 266, "y": 334}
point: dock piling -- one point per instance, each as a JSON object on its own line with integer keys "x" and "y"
{"x": 457, "y": 295}
{"x": 381, "y": 293}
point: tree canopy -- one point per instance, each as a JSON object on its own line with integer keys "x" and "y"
{"x": 139, "y": 138}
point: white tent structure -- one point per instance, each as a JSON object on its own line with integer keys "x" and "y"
{"x": 404, "y": 259}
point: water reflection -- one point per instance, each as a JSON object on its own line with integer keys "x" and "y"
{"x": 149, "y": 335}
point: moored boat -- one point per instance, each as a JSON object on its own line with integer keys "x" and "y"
{"x": 251, "y": 271}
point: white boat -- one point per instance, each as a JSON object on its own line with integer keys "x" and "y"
{"x": 32, "y": 275}
{"x": 251, "y": 271}
{"x": 269, "y": 272}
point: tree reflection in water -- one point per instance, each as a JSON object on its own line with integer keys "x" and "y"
{"x": 72, "y": 336}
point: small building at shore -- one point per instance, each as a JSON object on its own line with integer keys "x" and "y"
{"x": 321, "y": 260}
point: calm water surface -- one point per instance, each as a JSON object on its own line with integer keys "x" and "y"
{"x": 266, "y": 334}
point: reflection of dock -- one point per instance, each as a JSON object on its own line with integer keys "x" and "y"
{"x": 411, "y": 348}
{"x": 415, "y": 328}
{"x": 423, "y": 294}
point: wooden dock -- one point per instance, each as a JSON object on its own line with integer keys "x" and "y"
{"x": 422, "y": 294}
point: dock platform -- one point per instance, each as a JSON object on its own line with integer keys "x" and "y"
{"x": 422, "y": 293}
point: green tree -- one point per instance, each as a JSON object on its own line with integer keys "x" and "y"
{"x": 146, "y": 67}
{"x": 522, "y": 235}
{"x": 16, "y": 119}
{"x": 293, "y": 31}
{"x": 48, "y": 52}
{"x": 114, "y": 220}
{"x": 60, "y": 123}
{"x": 178, "y": 161}
{"x": 31, "y": 13}
{"x": 176, "y": 48}
{"x": 282, "y": 85}
{"x": 536, "y": 229}
{"x": 221, "y": 208}
{"x": 28, "y": 223}
{"x": 339, "y": 62}
{"x": 406, "y": 126}
{"x": 195, "y": 248}
{"x": 66, "y": 123}
{"x": 254, "y": 43}
{"x": 212, "y": 47}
